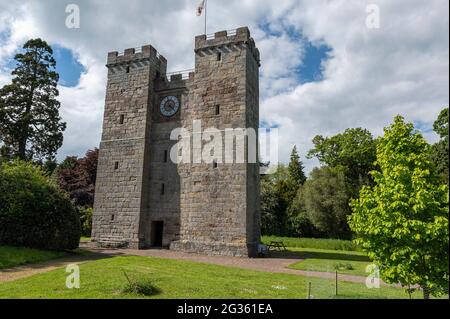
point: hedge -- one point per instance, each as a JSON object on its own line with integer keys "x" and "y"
{"x": 34, "y": 212}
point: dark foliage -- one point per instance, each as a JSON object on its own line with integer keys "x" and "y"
{"x": 33, "y": 211}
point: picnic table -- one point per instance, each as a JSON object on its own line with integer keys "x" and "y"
{"x": 276, "y": 245}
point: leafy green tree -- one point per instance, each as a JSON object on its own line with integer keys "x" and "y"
{"x": 402, "y": 221}
{"x": 440, "y": 152}
{"x": 353, "y": 151}
{"x": 275, "y": 199}
{"x": 325, "y": 200}
{"x": 441, "y": 124}
{"x": 30, "y": 125}
{"x": 270, "y": 208}
{"x": 299, "y": 222}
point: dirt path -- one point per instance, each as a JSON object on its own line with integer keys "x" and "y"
{"x": 24, "y": 271}
{"x": 273, "y": 265}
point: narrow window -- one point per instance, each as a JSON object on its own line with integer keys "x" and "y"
{"x": 128, "y": 69}
{"x": 215, "y": 164}
{"x": 116, "y": 165}
{"x": 163, "y": 189}
{"x": 122, "y": 119}
{"x": 217, "y": 109}
{"x": 165, "y": 156}
{"x": 219, "y": 56}
{"x": 112, "y": 218}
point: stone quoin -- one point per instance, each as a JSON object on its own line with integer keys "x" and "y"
{"x": 142, "y": 198}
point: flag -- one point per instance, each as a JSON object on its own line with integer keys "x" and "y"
{"x": 200, "y": 8}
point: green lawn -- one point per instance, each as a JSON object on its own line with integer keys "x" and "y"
{"x": 324, "y": 255}
{"x": 345, "y": 262}
{"x": 182, "y": 279}
{"x": 317, "y": 243}
{"x": 15, "y": 256}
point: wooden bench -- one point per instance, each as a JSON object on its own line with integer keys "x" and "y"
{"x": 276, "y": 245}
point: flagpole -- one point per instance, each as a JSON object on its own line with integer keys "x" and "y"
{"x": 206, "y": 13}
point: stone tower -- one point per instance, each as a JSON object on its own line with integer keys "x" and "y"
{"x": 122, "y": 180}
{"x": 143, "y": 199}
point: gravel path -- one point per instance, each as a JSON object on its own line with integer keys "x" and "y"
{"x": 272, "y": 265}
{"x": 24, "y": 271}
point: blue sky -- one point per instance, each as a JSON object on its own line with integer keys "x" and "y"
{"x": 323, "y": 69}
{"x": 67, "y": 65}
{"x": 70, "y": 69}
{"x": 310, "y": 70}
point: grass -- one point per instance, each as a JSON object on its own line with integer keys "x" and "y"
{"x": 325, "y": 255}
{"x": 85, "y": 239}
{"x": 183, "y": 279}
{"x": 318, "y": 243}
{"x": 16, "y": 256}
{"x": 345, "y": 262}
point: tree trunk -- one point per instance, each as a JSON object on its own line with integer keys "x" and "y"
{"x": 22, "y": 150}
{"x": 426, "y": 292}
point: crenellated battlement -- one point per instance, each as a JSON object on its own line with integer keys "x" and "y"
{"x": 145, "y": 200}
{"x": 226, "y": 40}
{"x": 179, "y": 76}
{"x": 178, "y": 79}
{"x": 135, "y": 54}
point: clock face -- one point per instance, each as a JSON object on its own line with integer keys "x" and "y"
{"x": 169, "y": 106}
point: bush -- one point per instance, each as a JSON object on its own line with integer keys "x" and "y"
{"x": 315, "y": 243}
{"x": 343, "y": 266}
{"x": 86, "y": 221}
{"x": 34, "y": 212}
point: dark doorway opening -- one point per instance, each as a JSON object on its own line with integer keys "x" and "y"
{"x": 157, "y": 234}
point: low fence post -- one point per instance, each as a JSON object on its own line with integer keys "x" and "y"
{"x": 336, "y": 290}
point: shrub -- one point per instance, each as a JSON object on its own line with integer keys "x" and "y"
{"x": 343, "y": 266}
{"x": 86, "y": 221}
{"x": 34, "y": 212}
{"x": 143, "y": 286}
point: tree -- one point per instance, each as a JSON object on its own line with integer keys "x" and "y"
{"x": 275, "y": 199}
{"x": 299, "y": 222}
{"x": 30, "y": 125}
{"x": 354, "y": 151}
{"x": 402, "y": 221}
{"x": 270, "y": 208}
{"x": 440, "y": 152}
{"x": 295, "y": 177}
{"x": 325, "y": 200}
{"x": 296, "y": 169}
{"x": 441, "y": 124}
{"x": 78, "y": 177}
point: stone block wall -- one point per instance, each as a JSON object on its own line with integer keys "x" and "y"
{"x": 219, "y": 213}
{"x": 121, "y": 178}
{"x": 204, "y": 207}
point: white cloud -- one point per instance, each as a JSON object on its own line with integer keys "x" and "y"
{"x": 372, "y": 75}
